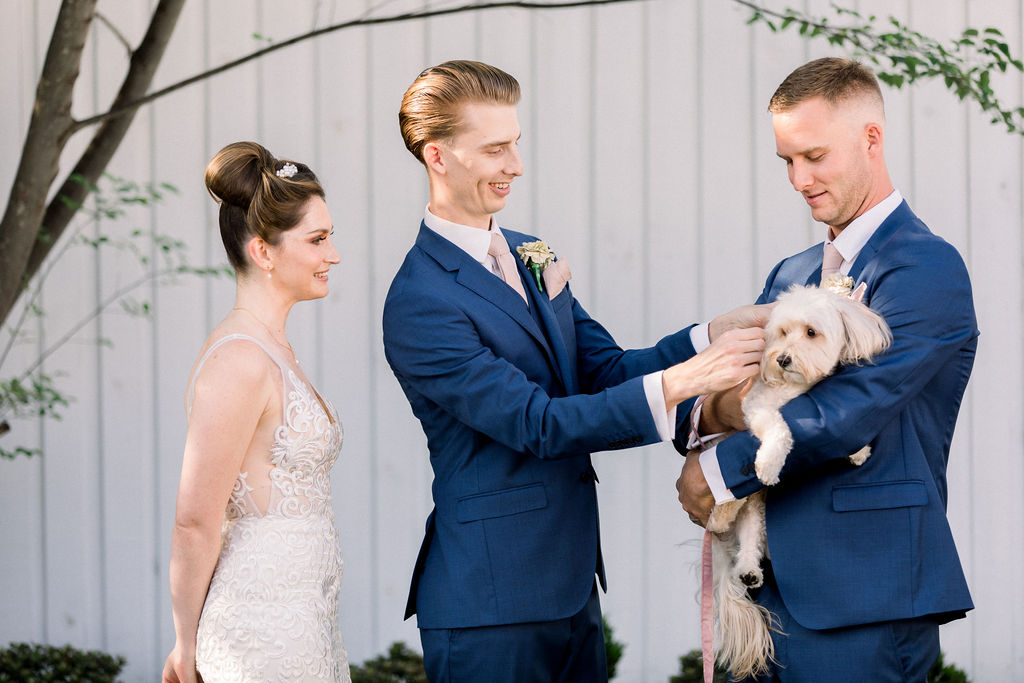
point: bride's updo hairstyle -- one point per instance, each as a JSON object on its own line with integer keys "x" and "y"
{"x": 259, "y": 196}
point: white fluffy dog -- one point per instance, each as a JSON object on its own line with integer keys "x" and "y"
{"x": 810, "y": 332}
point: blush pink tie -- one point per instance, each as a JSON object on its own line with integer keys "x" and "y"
{"x": 831, "y": 260}
{"x": 507, "y": 262}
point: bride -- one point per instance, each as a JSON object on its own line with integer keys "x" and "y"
{"x": 255, "y": 557}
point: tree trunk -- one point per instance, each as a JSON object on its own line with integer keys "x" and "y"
{"x": 29, "y": 228}
{"x": 48, "y": 132}
{"x": 108, "y": 136}
{"x": 28, "y": 232}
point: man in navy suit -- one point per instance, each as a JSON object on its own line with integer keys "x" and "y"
{"x": 515, "y": 385}
{"x": 862, "y": 564}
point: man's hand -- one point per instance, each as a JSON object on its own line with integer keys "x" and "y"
{"x": 694, "y": 494}
{"x": 737, "y": 319}
{"x": 729, "y": 360}
{"x": 723, "y": 412}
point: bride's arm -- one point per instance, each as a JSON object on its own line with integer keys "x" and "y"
{"x": 232, "y": 394}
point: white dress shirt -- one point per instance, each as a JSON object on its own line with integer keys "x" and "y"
{"x": 849, "y": 244}
{"x": 476, "y": 242}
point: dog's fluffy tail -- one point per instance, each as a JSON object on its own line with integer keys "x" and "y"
{"x": 745, "y": 644}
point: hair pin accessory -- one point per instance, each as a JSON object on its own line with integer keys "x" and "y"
{"x": 287, "y": 171}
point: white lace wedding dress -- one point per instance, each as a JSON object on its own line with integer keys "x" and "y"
{"x": 271, "y": 613}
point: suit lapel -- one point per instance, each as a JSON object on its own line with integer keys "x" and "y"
{"x": 803, "y": 268}
{"x": 809, "y": 261}
{"x": 474, "y": 277}
{"x": 540, "y": 304}
{"x": 815, "y": 277}
{"x": 900, "y": 215}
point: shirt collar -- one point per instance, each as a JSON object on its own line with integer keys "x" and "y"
{"x": 853, "y": 238}
{"x": 473, "y": 241}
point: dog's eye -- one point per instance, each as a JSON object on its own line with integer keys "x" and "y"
{"x": 811, "y": 332}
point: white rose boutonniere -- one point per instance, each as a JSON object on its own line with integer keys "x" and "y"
{"x": 838, "y": 284}
{"x": 536, "y": 256}
{"x": 843, "y": 286}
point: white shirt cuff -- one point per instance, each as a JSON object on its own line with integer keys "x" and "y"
{"x": 699, "y": 337}
{"x": 664, "y": 420}
{"x": 697, "y": 440}
{"x": 713, "y": 475}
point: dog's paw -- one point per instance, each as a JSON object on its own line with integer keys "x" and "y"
{"x": 767, "y": 472}
{"x": 752, "y": 578}
{"x": 861, "y": 456}
{"x": 717, "y": 524}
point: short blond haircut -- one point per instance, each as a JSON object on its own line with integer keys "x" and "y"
{"x": 835, "y": 80}
{"x": 430, "y": 107}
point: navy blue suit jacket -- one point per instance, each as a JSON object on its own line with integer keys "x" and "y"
{"x": 854, "y": 545}
{"x": 513, "y": 399}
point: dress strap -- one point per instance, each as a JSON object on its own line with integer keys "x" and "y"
{"x": 220, "y": 342}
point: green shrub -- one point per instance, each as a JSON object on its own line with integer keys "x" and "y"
{"x": 399, "y": 665}
{"x": 691, "y": 670}
{"x": 32, "y": 663}
{"x": 612, "y": 648}
{"x": 946, "y": 673}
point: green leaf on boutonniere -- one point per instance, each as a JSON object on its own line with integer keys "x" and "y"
{"x": 536, "y": 256}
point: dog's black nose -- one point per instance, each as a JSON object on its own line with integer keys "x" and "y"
{"x": 783, "y": 360}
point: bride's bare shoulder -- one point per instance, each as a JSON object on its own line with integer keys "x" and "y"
{"x": 232, "y": 358}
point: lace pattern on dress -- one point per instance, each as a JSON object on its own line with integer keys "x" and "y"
{"x": 271, "y": 613}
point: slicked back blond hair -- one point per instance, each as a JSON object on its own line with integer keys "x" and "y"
{"x": 430, "y": 107}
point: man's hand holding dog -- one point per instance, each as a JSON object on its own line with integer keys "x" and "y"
{"x": 723, "y": 412}
{"x": 694, "y": 493}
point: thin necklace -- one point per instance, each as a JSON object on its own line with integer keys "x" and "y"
{"x": 264, "y": 326}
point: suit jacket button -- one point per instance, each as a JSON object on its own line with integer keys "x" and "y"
{"x": 586, "y": 477}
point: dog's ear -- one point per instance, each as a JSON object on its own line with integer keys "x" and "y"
{"x": 866, "y": 332}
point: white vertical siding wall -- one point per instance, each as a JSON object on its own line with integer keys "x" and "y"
{"x": 649, "y": 165}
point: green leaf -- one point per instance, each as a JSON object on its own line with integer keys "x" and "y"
{"x": 894, "y": 80}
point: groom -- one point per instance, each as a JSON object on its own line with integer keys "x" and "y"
{"x": 515, "y": 385}
{"x": 863, "y": 568}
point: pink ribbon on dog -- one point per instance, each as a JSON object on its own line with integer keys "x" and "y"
{"x": 707, "y": 617}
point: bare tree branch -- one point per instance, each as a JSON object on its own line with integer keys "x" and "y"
{"x": 100, "y": 17}
{"x": 35, "y": 244}
{"x": 48, "y": 132}
{"x": 122, "y": 108}
{"x": 105, "y": 142}
{"x": 92, "y": 315}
